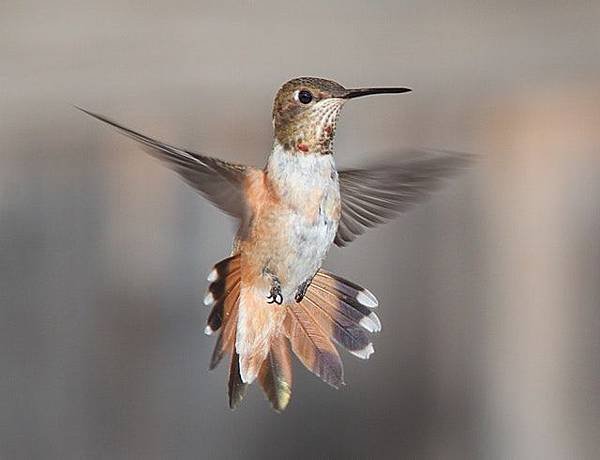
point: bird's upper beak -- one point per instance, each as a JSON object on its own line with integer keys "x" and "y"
{"x": 359, "y": 92}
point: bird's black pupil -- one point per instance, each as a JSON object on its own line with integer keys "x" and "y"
{"x": 305, "y": 96}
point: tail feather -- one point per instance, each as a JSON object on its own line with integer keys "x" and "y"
{"x": 226, "y": 341}
{"x": 237, "y": 388}
{"x": 347, "y": 299}
{"x": 275, "y": 375}
{"x": 223, "y": 291}
{"x": 221, "y": 309}
{"x": 344, "y": 332}
{"x": 363, "y": 296}
{"x": 312, "y": 346}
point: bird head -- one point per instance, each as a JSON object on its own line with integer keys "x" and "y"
{"x": 306, "y": 109}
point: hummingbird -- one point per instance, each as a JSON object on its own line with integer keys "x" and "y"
{"x": 271, "y": 295}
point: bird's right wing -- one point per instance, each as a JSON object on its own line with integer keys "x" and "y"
{"x": 218, "y": 181}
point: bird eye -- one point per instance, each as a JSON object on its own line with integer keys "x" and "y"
{"x": 304, "y": 96}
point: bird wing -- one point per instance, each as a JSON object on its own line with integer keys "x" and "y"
{"x": 217, "y": 180}
{"x": 375, "y": 195}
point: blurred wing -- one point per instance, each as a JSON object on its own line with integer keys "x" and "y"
{"x": 218, "y": 181}
{"x": 374, "y": 196}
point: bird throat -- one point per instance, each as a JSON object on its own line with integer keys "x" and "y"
{"x": 299, "y": 179}
{"x": 309, "y": 132}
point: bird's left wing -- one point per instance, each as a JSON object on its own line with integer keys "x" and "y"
{"x": 217, "y": 180}
{"x": 376, "y": 195}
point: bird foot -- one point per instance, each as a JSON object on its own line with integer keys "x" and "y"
{"x": 275, "y": 293}
{"x": 302, "y": 291}
{"x": 275, "y": 296}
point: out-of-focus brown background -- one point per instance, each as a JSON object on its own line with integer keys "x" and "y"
{"x": 489, "y": 293}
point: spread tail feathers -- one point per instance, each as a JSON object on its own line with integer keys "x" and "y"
{"x": 333, "y": 309}
{"x": 258, "y": 335}
{"x": 224, "y": 293}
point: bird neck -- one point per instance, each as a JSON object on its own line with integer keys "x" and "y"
{"x": 292, "y": 174}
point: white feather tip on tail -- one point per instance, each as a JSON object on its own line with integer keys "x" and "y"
{"x": 371, "y": 323}
{"x": 213, "y": 276}
{"x": 365, "y": 353}
{"x": 209, "y": 299}
{"x": 248, "y": 373}
{"x": 366, "y": 298}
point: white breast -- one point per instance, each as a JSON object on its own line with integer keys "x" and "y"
{"x": 299, "y": 176}
{"x": 308, "y": 184}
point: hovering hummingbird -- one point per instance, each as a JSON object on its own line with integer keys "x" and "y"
{"x": 271, "y": 293}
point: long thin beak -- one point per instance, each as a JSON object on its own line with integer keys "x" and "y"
{"x": 359, "y": 92}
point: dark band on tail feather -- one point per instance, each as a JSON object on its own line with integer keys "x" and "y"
{"x": 344, "y": 332}
{"x": 223, "y": 291}
{"x": 226, "y": 341}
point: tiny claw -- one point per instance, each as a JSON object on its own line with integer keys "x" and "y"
{"x": 301, "y": 292}
{"x": 275, "y": 296}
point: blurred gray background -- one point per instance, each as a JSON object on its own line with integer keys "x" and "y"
{"x": 489, "y": 292}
